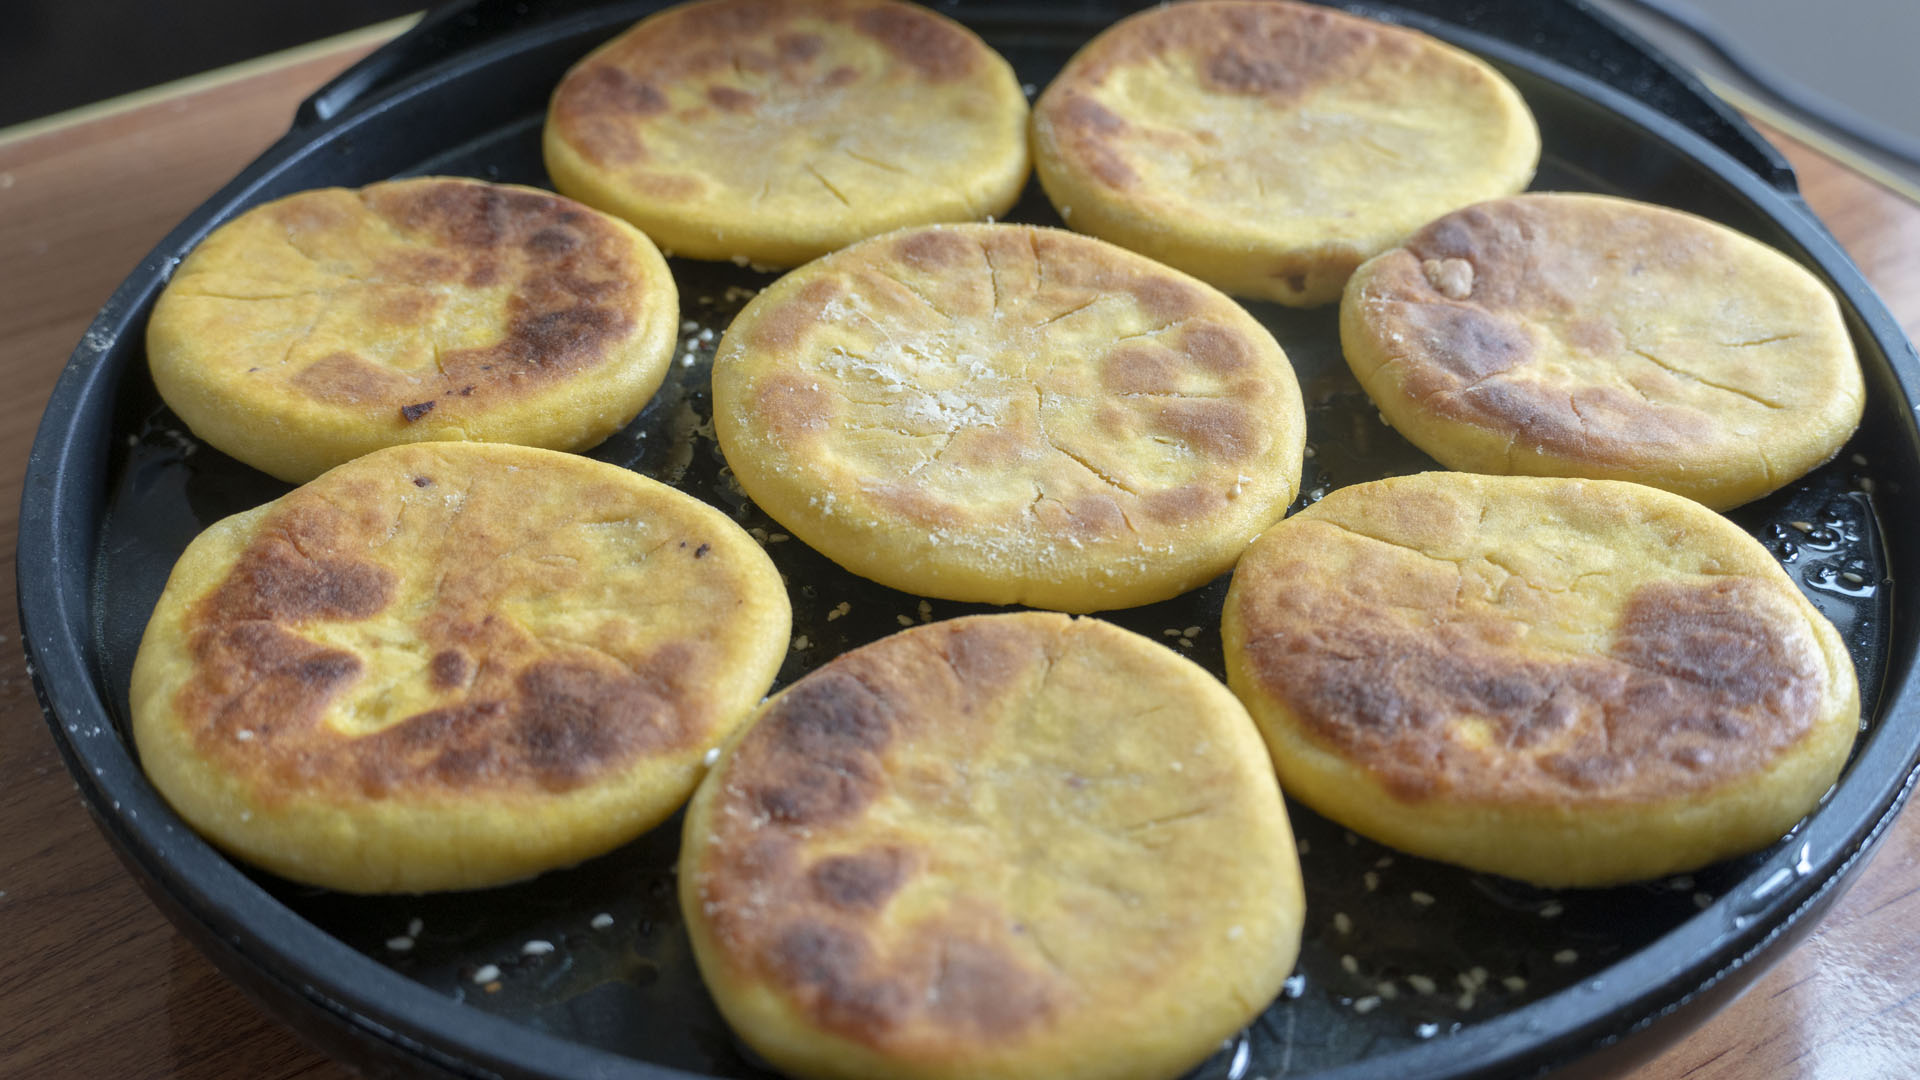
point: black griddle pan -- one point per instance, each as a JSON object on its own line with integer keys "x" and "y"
{"x": 1409, "y": 969}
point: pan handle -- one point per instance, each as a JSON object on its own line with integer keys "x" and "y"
{"x": 1688, "y": 100}
{"x": 444, "y": 31}
{"x": 1576, "y": 35}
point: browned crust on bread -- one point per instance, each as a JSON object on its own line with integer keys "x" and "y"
{"x": 1695, "y": 688}
{"x": 1461, "y": 292}
{"x": 1266, "y": 48}
{"x": 516, "y": 712}
{"x": 1005, "y": 845}
{"x": 603, "y": 105}
{"x": 1473, "y": 318}
{"x": 1263, "y": 48}
{"x": 432, "y": 304}
{"x": 1085, "y": 130}
{"x": 1475, "y": 370}
{"x": 1699, "y": 680}
{"x": 1195, "y": 379}
{"x": 817, "y": 759}
{"x": 936, "y": 48}
{"x": 573, "y": 278}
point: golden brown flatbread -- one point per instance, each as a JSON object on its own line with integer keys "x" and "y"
{"x": 775, "y": 131}
{"x": 1271, "y": 147}
{"x": 331, "y": 323}
{"x": 1002, "y": 846}
{"x": 1010, "y": 414}
{"x": 1571, "y": 682}
{"x": 451, "y": 665}
{"x": 1581, "y": 335}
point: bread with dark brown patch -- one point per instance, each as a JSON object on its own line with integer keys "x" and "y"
{"x": 451, "y": 665}
{"x": 1010, "y": 414}
{"x": 1572, "y": 682}
{"x": 1004, "y": 846}
{"x": 1270, "y": 147}
{"x": 331, "y": 323}
{"x": 775, "y": 132}
{"x": 1583, "y": 335}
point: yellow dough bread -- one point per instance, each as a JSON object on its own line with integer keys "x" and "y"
{"x": 331, "y": 323}
{"x": 1570, "y": 682}
{"x": 1271, "y": 147}
{"x": 775, "y": 131}
{"x": 1000, "y": 847}
{"x": 451, "y": 665}
{"x": 1010, "y": 414}
{"x": 1582, "y": 335}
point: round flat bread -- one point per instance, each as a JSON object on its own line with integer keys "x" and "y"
{"x": 1581, "y": 335}
{"x": 331, "y": 323}
{"x": 1009, "y": 414}
{"x": 1571, "y": 682}
{"x": 775, "y": 131}
{"x": 451, "y": 665}
{"x": 999, "y": 847}
{"x": 1270, "y": 147}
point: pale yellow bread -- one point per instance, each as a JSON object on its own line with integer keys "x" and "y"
{"x": 775, "y": 131}
{"x": 451, "y": 665}
{"x": 1581, "y": 335}
{"x": 1271, "y": 147}
{"x": 1006, "y": 846}
{"x": 1571, "y": 682}
{"x": 331, "y": 323}
{"x": 1009, "y": 414}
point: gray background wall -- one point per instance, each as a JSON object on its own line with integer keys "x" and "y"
{"x": 1857, "y": 56}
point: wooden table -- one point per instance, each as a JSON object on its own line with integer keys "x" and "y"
{"x": 94, "y": 983}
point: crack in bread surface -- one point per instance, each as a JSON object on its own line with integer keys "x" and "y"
{"x": 821, "y": 110}
{"x": 1609, "y": 338}
{"x": 1571, "y": 645}
{"x": 399, "y": 628}
{"x": 431, "y": 289}
{"x": 1033, "y": 356}
{"x": 1005, "y": 852}
{"x": 1238, "y": 113}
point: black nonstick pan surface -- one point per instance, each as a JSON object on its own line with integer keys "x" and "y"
{"x": 1409, "y": 969}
